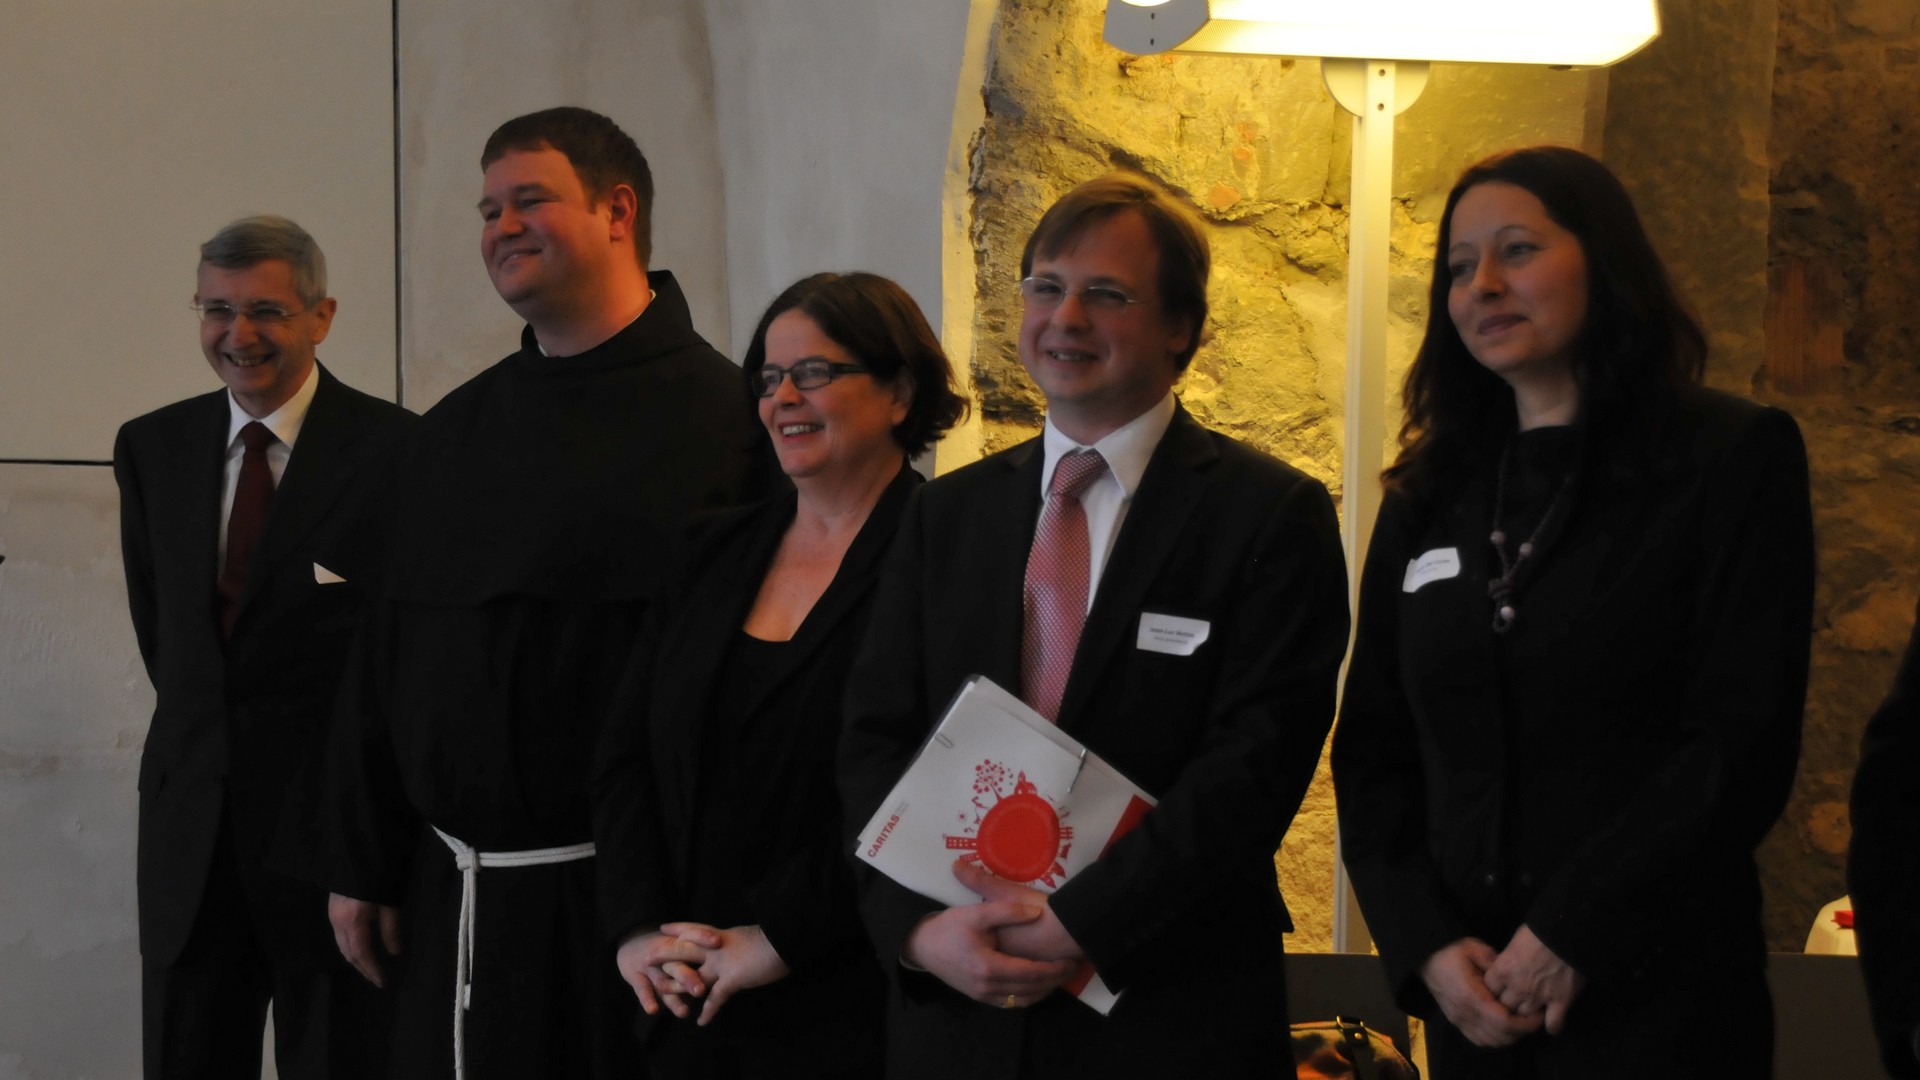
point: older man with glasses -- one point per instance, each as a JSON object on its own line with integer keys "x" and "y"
{"x": 252, "y": 524}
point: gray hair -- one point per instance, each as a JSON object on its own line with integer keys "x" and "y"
{"x": 266, "y": 238}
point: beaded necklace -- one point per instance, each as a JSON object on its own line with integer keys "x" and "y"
{"x": 1502, "y": 588}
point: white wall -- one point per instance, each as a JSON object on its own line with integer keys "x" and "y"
{"x": 836, "y": 121}
{"x": 74, "y": 702}
{"x": 133, "y": 132}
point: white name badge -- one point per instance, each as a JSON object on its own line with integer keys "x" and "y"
{"x": 324, "y": 576}
{"x": 1171, "y": 634}
{"x": 1436, "y": 565}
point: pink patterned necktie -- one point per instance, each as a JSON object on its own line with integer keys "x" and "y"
{"x": 252, "y": 498}
{"x": 1057, "y": 568}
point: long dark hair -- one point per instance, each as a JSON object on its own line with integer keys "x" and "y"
{"x": 1637, "y": 352}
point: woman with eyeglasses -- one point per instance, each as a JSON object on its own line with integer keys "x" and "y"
{"x": 725, "y": 878}
{"x": 1573, "y": 707}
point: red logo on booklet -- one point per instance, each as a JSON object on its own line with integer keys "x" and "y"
{"x": 1015, "y": 831}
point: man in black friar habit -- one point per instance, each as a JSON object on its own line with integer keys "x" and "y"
{"x": 533, "y": 515}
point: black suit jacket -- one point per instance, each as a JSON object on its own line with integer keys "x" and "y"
{"x": 1883, "y": 866}
{"x": 237, "y": 722}
{"x": 1184, "y": 914}
{"x": 663, "y": 833}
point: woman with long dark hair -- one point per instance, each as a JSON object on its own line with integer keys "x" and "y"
{"x": 1574, "y": 702}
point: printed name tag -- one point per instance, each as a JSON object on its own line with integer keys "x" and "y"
{"x": 1436, "y": 565}
{"x": 324, "y": 576}
{"x": 1171, "y": 634}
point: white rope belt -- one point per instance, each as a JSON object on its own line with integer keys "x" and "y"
{"x": 470, "y": 861}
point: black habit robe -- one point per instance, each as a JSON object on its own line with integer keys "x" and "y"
{"x": 537, "y": 502}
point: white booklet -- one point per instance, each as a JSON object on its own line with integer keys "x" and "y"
{"x": 1000, "y": 783}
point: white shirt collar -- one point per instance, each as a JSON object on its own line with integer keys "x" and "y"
{"x": 1127, "y": 449}
{"x": 284, "y": 421}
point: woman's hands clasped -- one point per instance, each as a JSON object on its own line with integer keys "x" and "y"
{"x": 684, "y": 962}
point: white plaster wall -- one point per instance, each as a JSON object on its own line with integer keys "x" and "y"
{"x": 835, "y": 119}
{"x": 74, "y": 703}
{"x": 467, "y": 67}
{"x": 133, "y": 132}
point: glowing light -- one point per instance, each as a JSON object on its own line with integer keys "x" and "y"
{"x": 1588, "y": 33}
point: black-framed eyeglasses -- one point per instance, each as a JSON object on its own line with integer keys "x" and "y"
{"x": 219, "y": 314}
{"x": 1048, "y": 294}
{"x": 806, "y": 375}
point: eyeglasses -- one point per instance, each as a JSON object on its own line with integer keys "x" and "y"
{"x": 806, "y": 375}
{"x": 218, "y": 314}
{"x": 1047, "y": 294}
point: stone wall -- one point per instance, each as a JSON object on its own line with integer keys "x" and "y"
{"x": 1260, "y": 151}
{"x": 1844, "y": 261}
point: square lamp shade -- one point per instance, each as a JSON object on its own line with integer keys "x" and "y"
{"x": 1571, "y": 33}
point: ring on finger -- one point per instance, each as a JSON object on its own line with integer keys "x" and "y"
{"x": 1010, "y": 1002}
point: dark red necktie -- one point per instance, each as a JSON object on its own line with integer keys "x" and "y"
{"x": 252, "y": 498}
{"x": 1056, "y": 592}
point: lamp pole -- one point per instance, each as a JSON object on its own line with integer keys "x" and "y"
{"x": 1374, "y": 91}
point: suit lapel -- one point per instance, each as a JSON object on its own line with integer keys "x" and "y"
{"x": 189, "y": 488}
{"x": 319, "y": 470}
{"x": 859, "y": 568}
{"x": 1156, "y": 519}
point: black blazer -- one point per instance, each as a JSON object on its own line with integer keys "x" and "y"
{"x": 1184, "y": 914}
{"x": 1603, "y": 771}
{"x": 236, "y": 723}
{"x": 659, "y": 831}
{"x": 1883, "y": 866}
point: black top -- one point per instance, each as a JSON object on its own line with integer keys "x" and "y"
{"x": 747, "y": 743}
{"x": 1602, "y": 771}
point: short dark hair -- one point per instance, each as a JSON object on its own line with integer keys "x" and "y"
{"x": 260, "y": 238}
{"x": 1185, "y": 256}
{"x": 603, "y": 157}
{"x": 876, "y": 321}
{"x": 1635, "y": 355}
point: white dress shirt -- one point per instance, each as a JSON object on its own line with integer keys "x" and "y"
{"x": 284, "y": 422}
{"x": 1126, "y": 451}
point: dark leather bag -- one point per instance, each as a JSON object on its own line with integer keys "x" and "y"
{"x": 1346, "y": 1049}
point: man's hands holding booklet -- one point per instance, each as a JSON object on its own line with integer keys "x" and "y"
{"x": 1008, "y": 950}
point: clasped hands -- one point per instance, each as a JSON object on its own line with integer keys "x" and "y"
{"x": 1495, "y": 999}
{"x": 682, "y": 962}
{"x": 1008, "y": 950}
